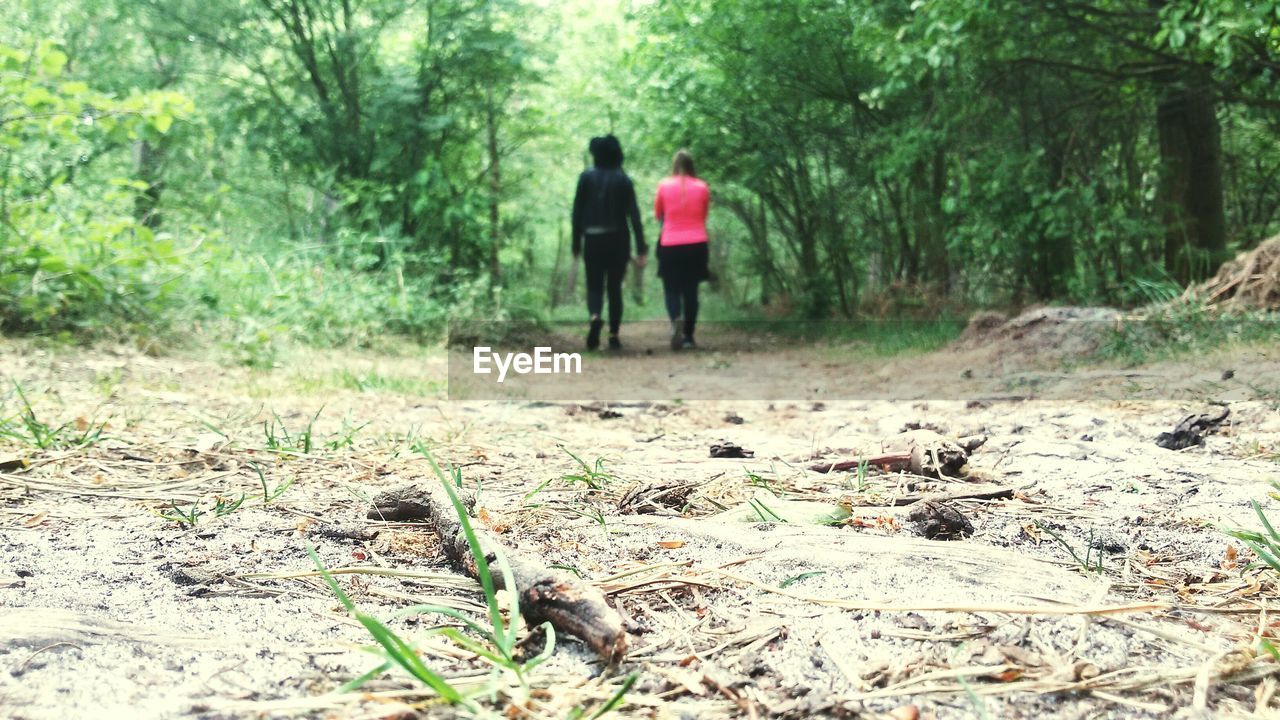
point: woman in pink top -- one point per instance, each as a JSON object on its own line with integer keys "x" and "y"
{"x": 681, "y": 208}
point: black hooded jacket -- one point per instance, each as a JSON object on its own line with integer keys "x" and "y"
{"x": 606, "y": 199}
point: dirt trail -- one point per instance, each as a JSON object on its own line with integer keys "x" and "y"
{"x": 108, "y": 610}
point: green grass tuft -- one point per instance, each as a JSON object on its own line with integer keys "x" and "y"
{"x": 494, "y": 642}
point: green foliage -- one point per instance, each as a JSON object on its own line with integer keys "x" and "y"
{"x": 27, "y": 429}
{"x": 1091, "y": 561}
{"x": 763, "y": 512}
{"x": 800, "y": 578}
{"x": 1182, "y": 327}
{"x": 279, "y": 439}
{"x": 613, "y": 703}
{"x": 270, "y": 494}
{"x": 593, "y": 476}
{"x": 1265, "y": 543}
{"x": 72, "y": 256}
{"x": 355, "y": 132}
{"x": 995, "y": 151}
{"x": 257, "y": 177}
{"x": 860, "y": 477}
{"x": 329, "y": 296}
{"x": 399, "y": 653}
{"x": 190, "y": 514}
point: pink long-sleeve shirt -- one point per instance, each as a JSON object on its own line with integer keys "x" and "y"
{"x": 681, "y": 206}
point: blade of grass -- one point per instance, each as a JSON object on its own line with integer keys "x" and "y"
{"x": 397, "y": 649}
{"x": 482, "y": 565}
{"x": 616, "y": 700}
{"x": 548, "y": 648}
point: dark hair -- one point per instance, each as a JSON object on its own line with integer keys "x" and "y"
{"x": 682, "y": 164}
{"x": 606, "y": 151}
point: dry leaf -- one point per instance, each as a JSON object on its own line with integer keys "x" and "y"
{"x": 906, "y": 712}
{"x": 1196, "y": 625}
{"x": 1082, "y": 670}
{"x": 889, "y": 523}
{"x": 1032, "y": 531}
{"x": 671, "y": 544}
{"x": 34, "y": 520}
{"x": 689, "y": 680}
{"x": 81, "y": 424}
{"x": 1228, "y": 561}
{"x": 12, "y": 462}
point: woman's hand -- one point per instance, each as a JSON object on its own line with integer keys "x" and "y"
{"x": 642, "y": 260}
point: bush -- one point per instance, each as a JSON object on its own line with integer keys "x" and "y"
{"x": 117, "y": 282}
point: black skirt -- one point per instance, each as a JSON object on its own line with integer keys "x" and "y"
{"x": 683, "y": 264}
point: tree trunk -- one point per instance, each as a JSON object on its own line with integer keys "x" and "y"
{"x": 495, "y": 191}
{"x": 1055, "y": 255}
{"x": 908, "y": 256}
{"x": 147, "y": 161}
{"x": 1191, "y": 183}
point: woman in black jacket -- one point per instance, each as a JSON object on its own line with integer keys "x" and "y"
{"x": 603, "y": 205}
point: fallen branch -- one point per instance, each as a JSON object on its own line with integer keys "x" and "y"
{"x": 983, "y": 493}
{"x": 546, "y": 595}
{"x": 928, "y": 454}
{"x": 860, "y": 501}
{"x": 891, "y": 462}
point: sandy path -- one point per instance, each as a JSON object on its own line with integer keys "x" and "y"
{"x": 110, "y": 611}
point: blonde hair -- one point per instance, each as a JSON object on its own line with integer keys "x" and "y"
{"x": 682, "y": 164}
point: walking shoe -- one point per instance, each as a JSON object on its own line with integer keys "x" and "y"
{"x": 593, "y": 334}
{"x": 614, "y": 343}
{"x": 676, "y": 335}
{"x": 688, "y": 343}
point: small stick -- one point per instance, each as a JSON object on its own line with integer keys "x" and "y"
{"x": 997, "y": 493}
{"x": 569, "y": 604}
{"x": 890, "y": 461}
{"x": 23, "y": 667}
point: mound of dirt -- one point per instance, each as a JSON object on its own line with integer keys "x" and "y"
{"x": 981, "y": 325}
{"x": 1250, "y": 281}
{"x": 1057, "y": 331}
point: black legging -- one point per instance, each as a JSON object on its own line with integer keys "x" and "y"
{"x": 606, "y": 257}
{"x": 682, "y": 267}
{"x": 683, "y": 291}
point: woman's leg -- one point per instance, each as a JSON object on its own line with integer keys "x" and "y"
{"x": 595, "y": 272}
{"x": 595, "y": 267}
{"x": 671, "y": 294}
{"x": 690, "y": 292}
{"x": 617, "y": 270}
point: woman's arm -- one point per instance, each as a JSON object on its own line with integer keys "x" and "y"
{"x": 633, "y": 212}
{"x": 579, "y": 210}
